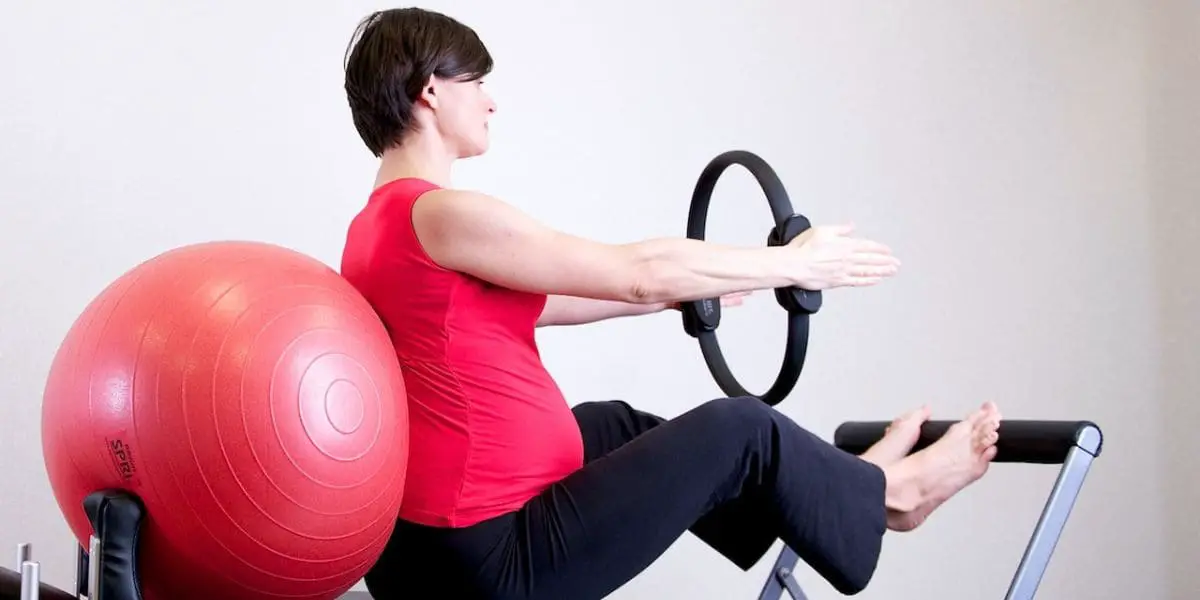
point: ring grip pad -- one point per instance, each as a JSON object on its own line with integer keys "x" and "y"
{"x": 794, "y": 299}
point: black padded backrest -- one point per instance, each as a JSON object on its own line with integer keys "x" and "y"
{"x": 116, "y": 518}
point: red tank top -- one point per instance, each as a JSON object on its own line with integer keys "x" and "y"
{"x": 488, "y": 426}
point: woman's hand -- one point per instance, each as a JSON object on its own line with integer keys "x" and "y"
{"x": 829, "y": 257}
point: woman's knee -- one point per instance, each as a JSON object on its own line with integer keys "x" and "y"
{"x": 738, "y": 413}
{"x": 748, "y": 420}
{"x": 740, "y": 408}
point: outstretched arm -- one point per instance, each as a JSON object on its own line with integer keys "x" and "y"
{"x": 572, "y": 310}
{"x": 476, "y": 234}
{"x": 569, "y": 310}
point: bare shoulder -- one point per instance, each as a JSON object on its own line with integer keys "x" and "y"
{"x": 453, "y": 212}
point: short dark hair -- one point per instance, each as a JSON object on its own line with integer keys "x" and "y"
{"x": 391, "y": 56}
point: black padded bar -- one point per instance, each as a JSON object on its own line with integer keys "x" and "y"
{"x": 1036, "y": 442}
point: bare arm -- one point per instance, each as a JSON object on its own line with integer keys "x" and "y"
{"x": 571, "y": 310}
{"x": 485, "y": 237}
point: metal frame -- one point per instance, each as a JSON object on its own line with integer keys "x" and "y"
{"x": 781, "y": 579}
{"x": 1054, "y": 516}
{"x": 88, "y": 584}
{"x": 31, "y": 572}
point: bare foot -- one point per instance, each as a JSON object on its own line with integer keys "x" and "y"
{"x": 919, "y": 484}
{"x": 899, "y": 438}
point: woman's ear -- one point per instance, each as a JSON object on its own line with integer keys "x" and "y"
{"x": 428, "y": 95}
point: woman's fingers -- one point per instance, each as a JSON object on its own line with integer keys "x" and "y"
{"x": 874, "y": 259}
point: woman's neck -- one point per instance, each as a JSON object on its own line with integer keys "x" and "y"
{"x": 419, "y": 157}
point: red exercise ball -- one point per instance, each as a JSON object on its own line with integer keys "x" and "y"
{"x": 253, "y": 400}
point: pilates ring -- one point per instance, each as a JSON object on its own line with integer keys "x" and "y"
{"x": 701, "y": 317}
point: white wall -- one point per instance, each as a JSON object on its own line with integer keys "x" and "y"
{"x": 1025, "y": 159}
{"x": 1175, "y": 145}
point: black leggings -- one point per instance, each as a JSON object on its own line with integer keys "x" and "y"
{"x": 735, "y": 472}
